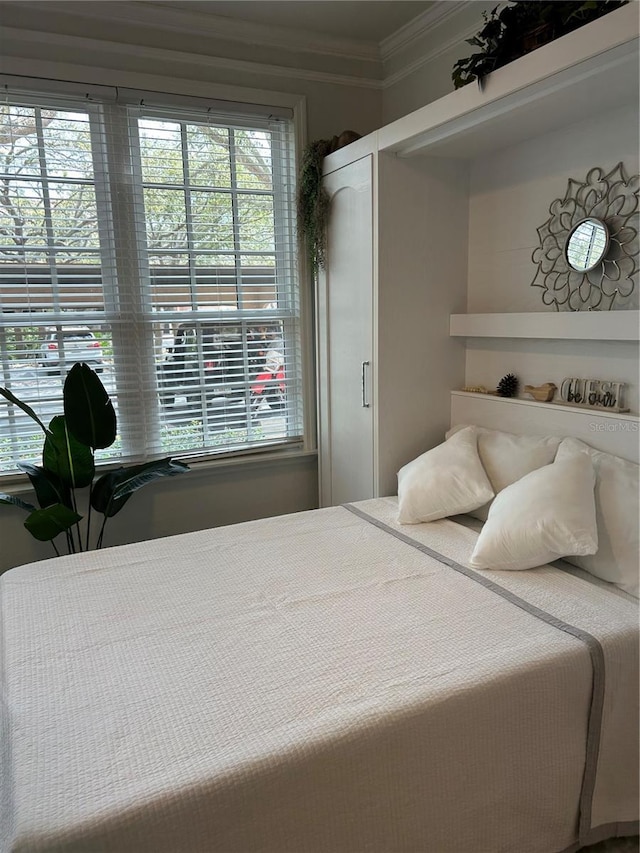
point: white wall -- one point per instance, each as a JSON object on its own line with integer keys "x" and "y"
{"x": 510, "y": 195}
{"x": 421, "y": 282}
{"x": 86, "y": 42}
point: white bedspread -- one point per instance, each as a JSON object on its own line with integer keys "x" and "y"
{"x": 312, "y": 684}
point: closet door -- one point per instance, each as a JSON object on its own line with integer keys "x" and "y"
{"x": 345, "y": 334}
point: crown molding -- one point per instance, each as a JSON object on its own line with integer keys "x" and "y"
{"x": 412, "y": 67}
{"x": 421, "y": 25}
{"x": 57, "y": 72}
{"x": 167, "y": 17}
{"x": 174, "y": 19}
{"x": 168, "y": 57}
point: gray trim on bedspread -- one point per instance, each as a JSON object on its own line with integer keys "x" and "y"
{"x": 585, "y": 831}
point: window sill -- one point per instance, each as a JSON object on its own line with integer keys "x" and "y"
{"x": 248, "y": 460}
{"x": 17, "y": 484}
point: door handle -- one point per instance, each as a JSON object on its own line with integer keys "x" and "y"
{"x": 365, "y": 404}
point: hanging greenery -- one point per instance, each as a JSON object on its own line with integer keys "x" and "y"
{"x": 521, "y": 27}
{"x": 314, "y": 203}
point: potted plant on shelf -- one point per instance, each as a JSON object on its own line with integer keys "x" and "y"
{"x": 521, "y": 27}
{"x": 88, "y": 424}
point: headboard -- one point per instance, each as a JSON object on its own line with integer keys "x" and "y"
{"x": 617, "y": 434}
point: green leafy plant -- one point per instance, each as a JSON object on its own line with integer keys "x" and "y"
{"x": 519, "y": 28}
{"x": 88, "y": 424}
{"x": 314, "y": 204}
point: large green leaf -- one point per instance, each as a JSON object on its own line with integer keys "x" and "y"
{"x": 46, "y": 524}
{"x": 113, "y": 490}
{"x": 47, "y": 486}
{"x": 12, "y": 499}
{"x": 27, "y": 409}
{"x": 140, "y": 475}
{"x": 102, "y": 498}
{"x": 66, "y": 457}
{"x": 90, "y": 415}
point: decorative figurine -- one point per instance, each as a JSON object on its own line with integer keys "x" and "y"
{"x": 593, "y": 394}
{"x": 542, "y": 393}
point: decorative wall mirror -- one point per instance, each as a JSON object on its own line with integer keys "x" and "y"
{"x": 587, "y": 257}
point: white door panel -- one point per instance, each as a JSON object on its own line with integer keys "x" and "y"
{"x": 347, "y": 471}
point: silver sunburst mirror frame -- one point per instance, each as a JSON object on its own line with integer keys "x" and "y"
{"x": 587, "y": 257}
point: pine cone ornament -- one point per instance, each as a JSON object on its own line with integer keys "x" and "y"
{"x": 508, "y": 386}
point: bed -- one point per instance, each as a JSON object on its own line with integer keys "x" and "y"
{"x": 325, "y": 682}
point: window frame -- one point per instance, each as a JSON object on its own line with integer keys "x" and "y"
{"x": 139, "y": 322}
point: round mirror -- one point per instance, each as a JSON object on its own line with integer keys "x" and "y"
{"x": 587, "y": 245}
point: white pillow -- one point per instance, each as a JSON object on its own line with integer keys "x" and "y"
{"x": 617, "y": 515}
{"x": 447, "y": 480}
{"x": 507, "y": 457}
{"x": 547, "y": 514}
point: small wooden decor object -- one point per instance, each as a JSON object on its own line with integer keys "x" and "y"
{"x": 600, "y": 394}
{"x": 477, "y": 389}
{"x": 542, "y": 393}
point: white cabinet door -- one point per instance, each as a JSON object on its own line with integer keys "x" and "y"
{"x": 345, "y": 313}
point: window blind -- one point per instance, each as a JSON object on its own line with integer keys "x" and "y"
{"x": 156, "y": 244}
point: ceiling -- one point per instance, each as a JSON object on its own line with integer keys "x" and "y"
{"x": 366, "y": 20}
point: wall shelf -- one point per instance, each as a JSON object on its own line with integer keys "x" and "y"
{"x": 611, "y": 433}
{"x": 518, "y": 401}
{"x": 550, "y": 325}
{"x": 592, "y": 68}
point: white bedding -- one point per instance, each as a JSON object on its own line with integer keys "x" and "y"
{"x": 313, "y": 684}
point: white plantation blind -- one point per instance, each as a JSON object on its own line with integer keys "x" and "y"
{"x": 157, "y": 245}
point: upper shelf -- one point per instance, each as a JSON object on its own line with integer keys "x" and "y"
{"x": 590, "y": 70}
{"x": 549, "y": 325}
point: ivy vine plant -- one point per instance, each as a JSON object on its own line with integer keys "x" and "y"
{"x": 314, "y": 203}
{"x": 68, "y": 465}
{"x": 519, "y": 27}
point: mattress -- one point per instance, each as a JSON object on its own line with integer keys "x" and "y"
{"x": 328, "y": 682}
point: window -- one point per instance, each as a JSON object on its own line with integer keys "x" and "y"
{"x": 156, "y": 245}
